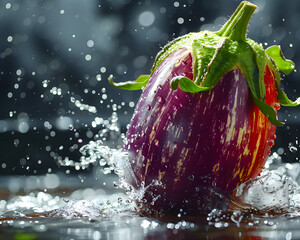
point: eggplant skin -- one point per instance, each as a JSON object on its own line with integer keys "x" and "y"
{"x": 196, "y": 145}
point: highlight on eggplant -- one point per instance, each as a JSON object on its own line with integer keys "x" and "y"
{"x": 206, "y": 119}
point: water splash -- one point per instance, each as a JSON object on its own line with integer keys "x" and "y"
{"x": 95, "y": 152}
{"x": 275, "y": 190}
{"x": 274, "y": 193}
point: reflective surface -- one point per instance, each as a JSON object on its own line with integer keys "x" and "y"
{"x": 131, "y": 228}
{"x": 81, "y": 211}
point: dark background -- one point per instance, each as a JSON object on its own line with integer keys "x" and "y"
{"x": 56, "y": 56}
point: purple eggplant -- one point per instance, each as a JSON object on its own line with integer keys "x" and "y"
{"x": 206, "y": 119}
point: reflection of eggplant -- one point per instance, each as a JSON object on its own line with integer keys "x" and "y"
{"x": 214, "y": 127}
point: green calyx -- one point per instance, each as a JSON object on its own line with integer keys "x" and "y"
{"x": 216, "y": 53}
{"x": 138, "y": 84}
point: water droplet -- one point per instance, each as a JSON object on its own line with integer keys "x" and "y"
{"x": 191, "y": 177}
{"x": 273, "y": 137}
{"x": 140, "y": 205}
{"x": 237, "y": 217}
{"x": 293, "y": 149}
{"x": 176, "y": 4}
{"x": 88, "y": 57}
{"x": 218, "y": 224}
{"x": 180, "y": 20}
{"x": 271, "y": 142}
{"x": 277, "y": 106}
{"x": 146, "y": 18}
{"x": 45, "y": 83}
{"x": 131, "y": 104}
{"x": 148, "y": 107}
{"x": 160, "y": 99}
{"x": 90, "y": 43}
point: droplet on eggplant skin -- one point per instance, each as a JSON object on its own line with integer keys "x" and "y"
{"x": 175, "y": 145}
{"x": 277, "y": 106}
{"x": 271, "y": 142}
{"x": 160, "y": 99}
{"x": 273, "y": 137}
{"x": 191, "y": 177}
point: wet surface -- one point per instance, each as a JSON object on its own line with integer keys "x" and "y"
{"x": 91, "y": 208}
{"x": 124, "y": 227}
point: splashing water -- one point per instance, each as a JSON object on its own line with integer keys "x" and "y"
{"x": 266, "y": 201}
{"x": 276, "y": 190}
{"x": 256, "y": 203}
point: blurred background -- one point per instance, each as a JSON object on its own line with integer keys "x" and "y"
{"x": 56, "y": 56}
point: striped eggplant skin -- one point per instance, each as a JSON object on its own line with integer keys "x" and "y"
{"x": 196, "y": 144}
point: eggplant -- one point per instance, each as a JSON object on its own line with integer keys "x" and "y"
{"x": 206, "y": 119}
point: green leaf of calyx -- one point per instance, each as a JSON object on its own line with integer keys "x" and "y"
{"x": 284, "y": 65}
{"x": 261, "y": 60}
{"x": 285, "y": 101}
{"x": 138, "y": 84}
{"x": 252, "y": 62}
{"x": 203, "y": 51}
{"x": 224, "y": 60}
{"x": 187, "y": 85}
{"x": 268, "y": 111}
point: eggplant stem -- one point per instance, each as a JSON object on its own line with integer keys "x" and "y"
{"x": 236, "y": 27}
